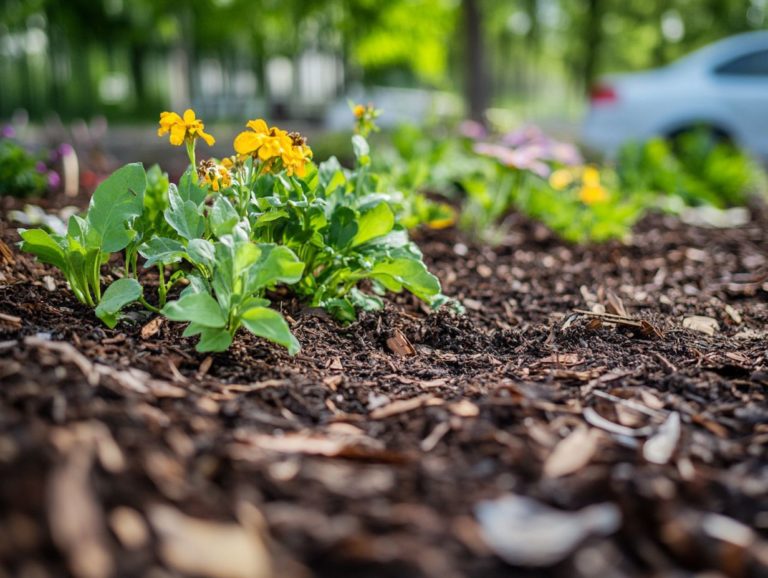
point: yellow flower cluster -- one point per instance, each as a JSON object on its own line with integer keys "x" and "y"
{"x": 214, "y": 175}
{"x": 270, "y": 144}
{"x": 591, "y": 191}
{"x": 187, "y": 128}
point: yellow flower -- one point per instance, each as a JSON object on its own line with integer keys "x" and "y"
{"x": 590, "y": 177}
{"x": 262, "y": 140}
{"x": 441, "y": 223}
{"x": 216, "y": 176}
{"x": 186, "y": 128}
{"x": 295, "y": 159}
{"x": 591, "y": 194}
{"x": 560, "y": 179}
{"x": 359, "y": 111}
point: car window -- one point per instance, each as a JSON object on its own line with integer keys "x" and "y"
{"x": 754, "y": 64}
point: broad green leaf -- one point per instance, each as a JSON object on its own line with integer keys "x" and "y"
{"x": 409, "y": 273}
{"x": 276, "y": 265}
{"x": 199, "y": 308}
{"x": 196, "y": 285}
{"x": 223, "y": 217}
{"x": 374, "y": 223}
{"x": 116, "y": 201}
{"x": 271, "y": 325}
{"x": 188, "y": 188}
{"x": 119, "y": 294}
{"x": 342, "y": 227}
{"x": 45, "y": 247}
{"x": 184, "y": 216}
{"x": 201, "y": 252}
{"x": 77, "y": 228}
{"x": 212, "y": 339}
{"x": 162, "y": 250}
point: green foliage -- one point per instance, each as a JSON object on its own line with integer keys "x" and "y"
{"x": 696, "y": 167}
{"x": 89, "y": 241}
{"x": 345, "y": 232}
{"x": 232, "y": 233}
{"x": 234, "y": 295}
{"x": 20, "y": 174}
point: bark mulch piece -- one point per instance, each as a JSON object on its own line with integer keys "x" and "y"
{"x": 522, "y": 438}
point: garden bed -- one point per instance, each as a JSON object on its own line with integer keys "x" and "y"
{"x": 368, "y": 452}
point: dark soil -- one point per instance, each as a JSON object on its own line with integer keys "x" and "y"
{"x": 351, "y": 459}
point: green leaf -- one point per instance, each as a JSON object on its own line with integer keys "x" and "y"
{"x": 409, "y": 273}
{"x": 223, "y": 217}
{"x": 201, "y": 252}
{"x": 271, "y": 325}
{"x": 184, "y": 216}
{"x": 276, "y": 265}
{"x": 115, "y": 202}
{"x": 374, "y": 223}
{"x": 47, "y": 248}
{"x": 118, "y": 295}
{"x": 213, "y": 340}
{"x": 199, "y": 308}
{"x": 343, "y": 227}
{"x": 162, "y": 250}
{"x": 362, "y": 149}
{"x": 188, "y": 188}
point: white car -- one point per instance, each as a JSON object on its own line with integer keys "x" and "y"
{"x": 723, "y": 87}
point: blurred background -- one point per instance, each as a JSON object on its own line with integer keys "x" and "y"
{"x": 88, "y": 71}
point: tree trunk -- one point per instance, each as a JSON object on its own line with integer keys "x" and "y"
{"x": 475, "y": 78}
{"x": 593, "y": 36}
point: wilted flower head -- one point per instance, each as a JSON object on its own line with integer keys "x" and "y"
{"x": 217, "y": 176}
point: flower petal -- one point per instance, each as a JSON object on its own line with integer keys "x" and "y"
{"x": 178, "y": 132}
{"x": 247, "y": 142}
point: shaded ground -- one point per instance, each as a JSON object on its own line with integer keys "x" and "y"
{"x": 352, "y": 459}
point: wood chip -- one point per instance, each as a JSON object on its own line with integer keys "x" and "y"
{"x": 661, "y": 445}
{"x": 152, "y": 328}
{"x": 75, "y": 516}
{"x": 205, "y": 366}
{"x": 702, "y": 324}
{"x": 10, "y": 322}
{"x": 6, "y": 255}
{"x": 399, "y": 345}
{"x": 615, "y": 304}
{"x": 404, "y": 405}
{"x": 572, "y": 453}
{"x": 129, "y": 527}
{"x": 205, "y": 548}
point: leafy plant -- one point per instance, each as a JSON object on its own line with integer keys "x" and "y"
{"x": 90, "y": 241}
{"x": 233, "y": 296}
{"x": 23, "y": 174}
{"x": 695, "y": 168}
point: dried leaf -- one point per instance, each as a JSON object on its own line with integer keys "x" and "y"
{"x": 572, "y": 453}
{"x": 205, "y": 548}
{"x": 526, "y": 532}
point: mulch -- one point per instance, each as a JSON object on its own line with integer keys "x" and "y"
{"x": 629, "y": 378}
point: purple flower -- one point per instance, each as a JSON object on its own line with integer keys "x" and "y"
{"x": 65, "y": 149}
{"x": 40, "y": 167}
{"x": 54, "y": 180}
{"x": 472, "y": 130}
{"x": 7, "y": 131}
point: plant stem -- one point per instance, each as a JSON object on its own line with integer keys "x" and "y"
{"x": 151, "y": 308}
{"x": 162, "y": 289}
